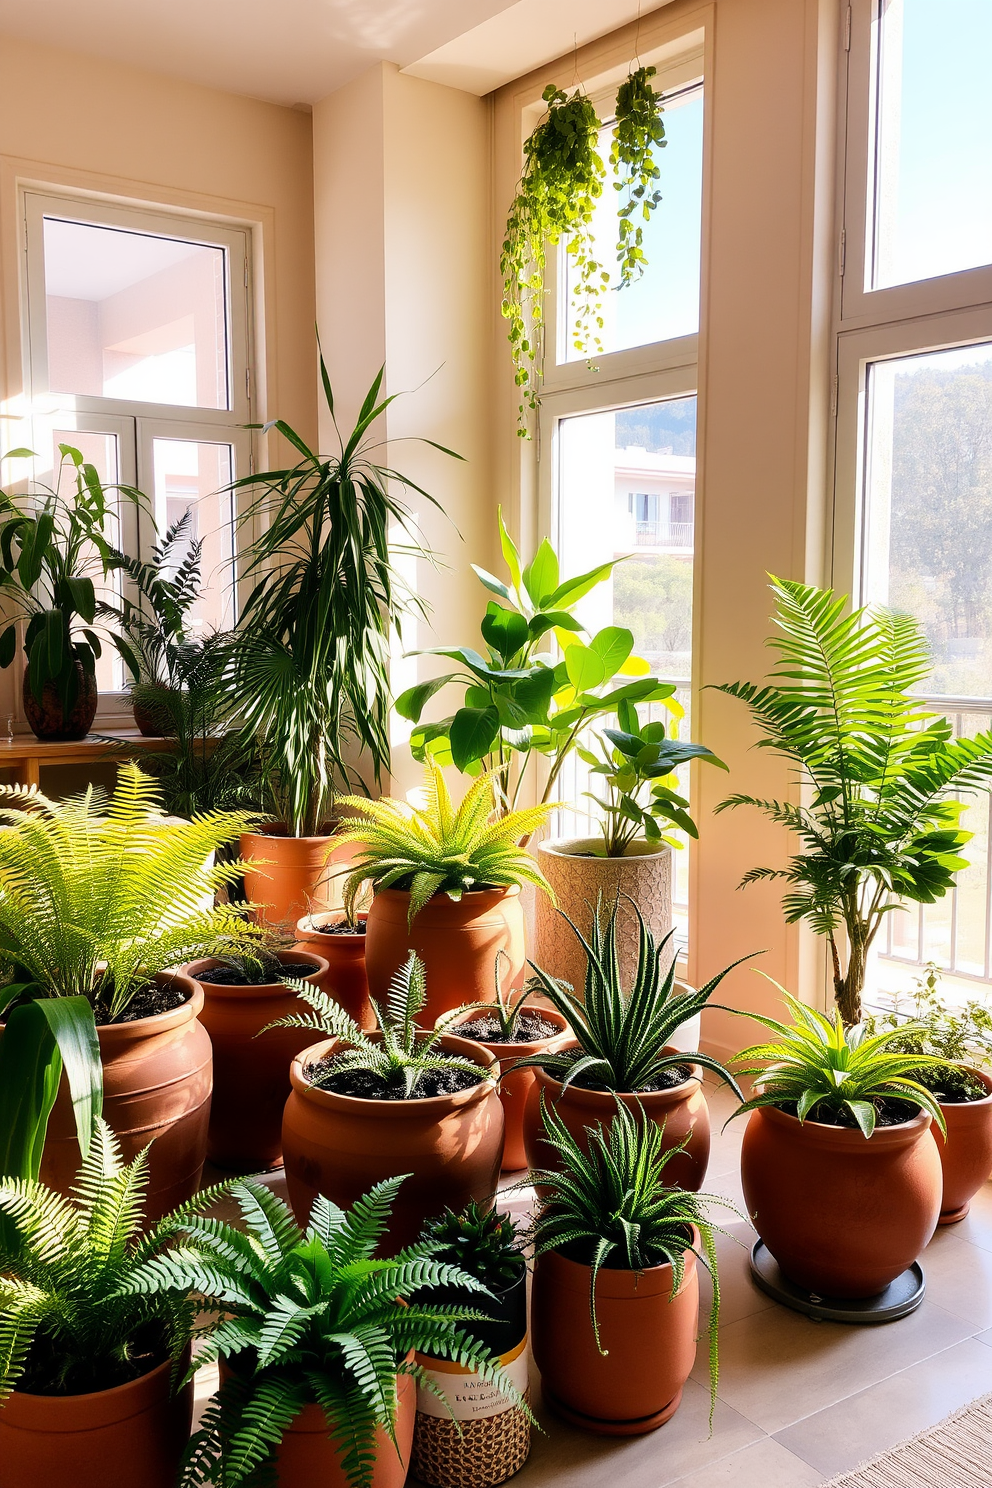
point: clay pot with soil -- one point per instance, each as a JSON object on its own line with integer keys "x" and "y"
{"x": 289, "y": 877}
{"x": 251, "y": 1068}
{"x": 966, "y": 1154}
{"x": 341, "y": 943}
{"x": 50, "y": 720}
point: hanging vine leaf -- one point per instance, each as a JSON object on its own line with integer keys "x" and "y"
{"x": 562, "y": 178}
{"x": 638, "y": 133}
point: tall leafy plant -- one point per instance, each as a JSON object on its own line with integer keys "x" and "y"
{"x": 156, "y": 625}
{"x": 881, "y": 772}
{"x": 637, "y": 134}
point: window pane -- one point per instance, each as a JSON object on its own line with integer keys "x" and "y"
{"x": 933, "y": 180}
{"x": 189, "y": 476}
{"x": 664, "y": 302}
{"x": 135, "y": 316}
{"x": 928, "y": 537}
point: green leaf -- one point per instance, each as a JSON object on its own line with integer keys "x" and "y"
{"x": 572, "y": 590}
{"x": 494, "y": 585}
{"x": 533, "y": 694}
{"x": 510, "y": 555}
{"x": 73, "y": 1028}
{"x": 8, "y": 645}
{"x": 541, "y": 576}
{"x": 30, "y": 1070}
{"x": 504, "y": 630}
{"x": 552, "y": 620}
{"x": 83, "y": 597}
{"x": 473, "y": 733}
{"x": 584, "y": 667}
{"x": 613, "y": 644}
{"x": 411, "y": 704}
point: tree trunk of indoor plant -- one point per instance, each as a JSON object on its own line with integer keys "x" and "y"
{"x": 649, "y": 1337}
{"x": 843, "y": 1215}
{"x": 966, "y": 1156}
{"x": 157, "y": 1079}
{"x": 290, "y": 877}
{"x": 340, "y": 1145}
{"x": 251, "y": 1068}
{"x": 458, "y": 942}
{"x": 133, "y": 1436}
{"x": 578, "y": 875}
{"x": 681, "y": 1110}
{"x": 346, "y": 979}
{"x": 49, "y": 720}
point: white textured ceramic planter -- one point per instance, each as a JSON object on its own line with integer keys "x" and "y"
{"x": 577, "y": 877}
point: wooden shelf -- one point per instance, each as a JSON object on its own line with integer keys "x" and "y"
{"x": 25, "y": 755}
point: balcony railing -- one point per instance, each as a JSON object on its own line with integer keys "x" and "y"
{"x": 665, "y": 534}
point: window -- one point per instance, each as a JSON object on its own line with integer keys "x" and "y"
{"x": 138, "y": 343}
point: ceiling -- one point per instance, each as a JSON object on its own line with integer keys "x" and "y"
{"x": 299, "y": 51}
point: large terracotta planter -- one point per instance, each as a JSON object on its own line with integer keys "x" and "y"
{"x": 339, "y": 1145}
{"x": 843, "y": 1215}
{"x": 133, "y": 1436}
{"x": 458, "y": 943}
{"x": 49, "y": 720}
{"x": 251, "y": 1073}
{"x": 157, "y": 1078}
{"x": 681, "y": 1110}
{"x": 345, "y": 979}
{"x": 515, "y": 1085}
{"x": 966, "y": 1156}
{"x": 291, "y": 876}
{"x": 644, "y": 875}
{"x": 649, "y": 1337}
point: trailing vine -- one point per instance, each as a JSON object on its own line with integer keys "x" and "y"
{"x": 562, "y": 178}
{"x": 638, "y": 132}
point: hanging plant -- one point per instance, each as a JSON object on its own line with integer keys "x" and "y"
{"x": 638, "y": 133}
{"x": 562, "y": 178}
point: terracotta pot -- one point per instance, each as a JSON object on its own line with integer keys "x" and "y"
{"x": 843, "y": 1215}
{"x": 157, "y": 1078}
{"x": 457, "y": 942}
{"x": 682, "y": 1111}
{"x": 345, "y": 979}
{"x": 152, "y": 719}
{"x": 49, "y": 720}
{"x": 251, "y": 1075}
{"x": 966, "y": 1156}
{"x": 649, "y": 1337}
{"x": 339, "y": 1145}
{"x": 292, "y": 876}
{"x": 133, "y": 1436}
{"x": 578, "y": 876}
{"x": 514, "y": 1088}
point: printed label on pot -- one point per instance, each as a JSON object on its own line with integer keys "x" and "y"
{"x": 466, "y": 1396}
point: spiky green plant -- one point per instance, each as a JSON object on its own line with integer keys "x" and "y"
{"x": 622, "y": 1035}
{"x": 483, "y": 1242}
{"x": 405, "y": 1053}
{"x": 68, "y": 1324}
{"x": 97, "y": 895}
{"x": 826, "y": 1069}
{"x": 438, "y": 848}
{"x": 309, "y": 1318}
{"x": 610, "y": 1206}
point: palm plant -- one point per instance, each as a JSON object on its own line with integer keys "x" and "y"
{"x": 438, "y": 849}
{"x": 829, "y": 1071}
{"x": 622, "y": 1035}
{"x": 403, "y": 1055}
{"x": 880, "y": 824}
{"x": 97, "y": 895}
{"x": 311, "y": 670}
{"x": 309, "y": 1317}
{"x": 68, "y": 1322}
{"x": 611, "y": 1206}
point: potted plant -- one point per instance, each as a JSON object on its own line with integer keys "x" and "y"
{"x": 54, "y": 548}
{"x": 615, "y": 1300}
{"x": 447, "y": 886}
{"x": 339, "y": 938}
{"x": 468, "y": 1432}
{"x": 622, "y": 1051}
{"x": 88, "y": 1367}
{"x": 883, "y": 821}
{"x": 242, "y": 995}
{"x": 99, "y": 901}
{"x": 511, "y": 1028}
{"x": 310, "y": 679}
{"x": 961, "y": 1041}
{"x": 317, "y": 1340}
{"x": 841, "y": 1174}
{"x": 632, "y": 855}
{"x": 366, "y": 1106}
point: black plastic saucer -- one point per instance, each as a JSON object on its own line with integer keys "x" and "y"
{"x": 900, "y": 1298}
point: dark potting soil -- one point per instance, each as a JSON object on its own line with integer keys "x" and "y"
{"x": 340, "y": 927}
{"x": 529, "y": 1030}
{"x": 581, "y": 1251}
{"x": 368, "y": 1085}
{"x": 45, "y": 1370}
{"x": 233, "y": 976}
{"x": 888, "y": 1112}
{"x": 145, "y": 1003}
{"x": 666, "y": 1079}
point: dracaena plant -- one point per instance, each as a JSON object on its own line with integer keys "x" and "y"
{"x": 439, "y": 848}
{"x": 522, "y": 701}
{"x": 622, "y": 1033}
{"x": 829, "y": 1072}
{"x": 882, "y": 771}
{"x": 404, "y": 1054}
{"x": 97, "y": 895}
{"x": 483, "y": 1242}
{"x": 308, "y": 1317}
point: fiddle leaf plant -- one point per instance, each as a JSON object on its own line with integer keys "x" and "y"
{"x": 637, "y": 134}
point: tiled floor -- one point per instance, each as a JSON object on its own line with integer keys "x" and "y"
{"x": 798, "y": 1401}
